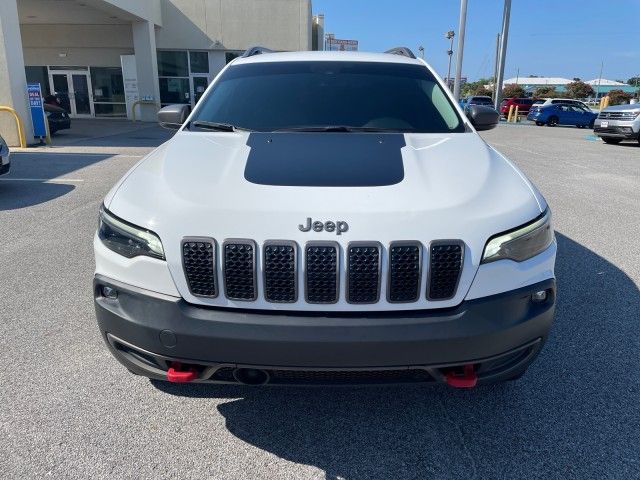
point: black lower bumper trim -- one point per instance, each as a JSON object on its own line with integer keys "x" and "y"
{"x": 171, "y": 328}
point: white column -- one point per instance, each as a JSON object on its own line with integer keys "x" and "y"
{"x": 13, "y": 82}
{"x": 144, "y": 45}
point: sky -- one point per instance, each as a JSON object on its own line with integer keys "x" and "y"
{"x": 554, "y": 38}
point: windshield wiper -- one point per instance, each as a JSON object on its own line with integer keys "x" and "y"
{"x": 216, "y": 126}
{"x": 336, "y": 128}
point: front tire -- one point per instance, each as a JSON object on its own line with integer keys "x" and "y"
{"x": 539, "y": 123}
{"x": 553, "y": 121}
{"x": 611, "y": 140}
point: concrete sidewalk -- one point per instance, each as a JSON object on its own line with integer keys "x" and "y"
{"x": 98, "y": 135}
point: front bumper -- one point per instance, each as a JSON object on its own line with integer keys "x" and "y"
{"x": 616, "y": 131}
{"x": 148, "y": 332}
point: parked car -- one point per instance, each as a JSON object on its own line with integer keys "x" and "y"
{"x": 320, "y": 217}
{"x": 562, "y": 114}
{"x": 5, "y": 161}
{"x": 543, "y": 102}
{"x": 523, "y": 104}
{"x": 57, "y": 118}
{"x": 617, "y": 123}
{"x": 476, "y": 100}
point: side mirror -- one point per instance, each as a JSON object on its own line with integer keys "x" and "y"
{"x": 173, "y": 116}
{"x": 483, "y": 117}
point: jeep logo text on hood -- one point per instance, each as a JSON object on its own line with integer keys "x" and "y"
{"x": 339, "y": 227}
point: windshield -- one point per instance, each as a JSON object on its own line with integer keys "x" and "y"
{"x": 270, "y": 96}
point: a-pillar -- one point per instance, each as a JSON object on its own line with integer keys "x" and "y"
{"x": 13, "y": 81}
{"x": 144, "y": 45}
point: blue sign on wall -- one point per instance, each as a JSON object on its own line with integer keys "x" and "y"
{"x": 37, "y": 110}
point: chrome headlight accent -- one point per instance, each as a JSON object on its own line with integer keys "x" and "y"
{"x": 521, "y": 243}
{"x": 127, "y": 239}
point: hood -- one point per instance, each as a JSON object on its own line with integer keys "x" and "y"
{"x": 386, "y": 187}
{"x": 623, "y": 108}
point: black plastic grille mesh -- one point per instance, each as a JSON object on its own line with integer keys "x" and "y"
{"x": 239, "y": 275}
{"x": 363, "y": 274}
{"x": 404, "y": 273}
{"x": 322, "y": 275}
{"x": 445, "y": 267}
{"x": 199, "y": 267}
{"x": 280, "y": 273}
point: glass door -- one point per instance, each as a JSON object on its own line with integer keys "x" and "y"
{"x": 73, "y": 91}
{"x": 59, "y": 86}
{"x": 199, "y": 85}
{"x": 81, "y": 96}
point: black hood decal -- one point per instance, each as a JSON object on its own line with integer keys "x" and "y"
{"x": 325, "y": 159}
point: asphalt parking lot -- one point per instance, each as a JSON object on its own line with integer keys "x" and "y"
{"x": 69, "y": 410}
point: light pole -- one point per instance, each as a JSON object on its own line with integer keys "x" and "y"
{"x": 504, "y": 37}
{"x": 421, "y": 50}
{"x": 449, "y": 35}
{"x": 461, "y": 28}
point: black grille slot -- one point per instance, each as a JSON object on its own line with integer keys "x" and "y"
{"x": 280, "y": 273}
{"x": 239, "y": 270}
{"x": 198, "y": 259}
{"x": 444, "y": 270}
{"x": 404, "y": 272}
{"x": 321, "y": 273}
{"x": 363, "y": 273}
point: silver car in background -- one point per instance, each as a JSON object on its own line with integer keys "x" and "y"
{"x": 5, "y": 163}
{"x": 617, "y": 123}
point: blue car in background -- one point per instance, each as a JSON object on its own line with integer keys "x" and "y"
{"x": 562, "y": 114}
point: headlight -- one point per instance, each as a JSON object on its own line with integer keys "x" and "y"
{"x": 126, "y": 239}
{"x": 522, "y": 243}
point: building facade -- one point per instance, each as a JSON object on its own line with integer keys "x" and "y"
{"x": 100, "y": 57}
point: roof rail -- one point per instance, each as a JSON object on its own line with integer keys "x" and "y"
{"x": 250, "y": 52}
{"x": 404, "y": 51}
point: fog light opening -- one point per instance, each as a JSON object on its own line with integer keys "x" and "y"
{"x": 539, "y": 297}
{"x": 109, "y": 292}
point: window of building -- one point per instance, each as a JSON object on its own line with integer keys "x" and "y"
{"x": 39, "y": 75}
{"x": 108, "y": 91}
{"x": 174, "y": 90}
{"x": 183, "y": 76}
{"x": 199, "y": 62}
{"x": 173, "y": 63}
{"x": 228, "y": 56}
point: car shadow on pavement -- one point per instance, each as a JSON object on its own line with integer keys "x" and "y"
{"x": 37, "y": 178}
{"x": 574, "y": 414}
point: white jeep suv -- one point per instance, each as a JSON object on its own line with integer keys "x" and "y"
{"x": 325, "y": 217}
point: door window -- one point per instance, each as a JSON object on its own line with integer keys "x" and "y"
{"x": 81, "y": 94}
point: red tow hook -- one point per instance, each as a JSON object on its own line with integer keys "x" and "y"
{"x": 468, "y": 379}
{"x": 178, "y": 374}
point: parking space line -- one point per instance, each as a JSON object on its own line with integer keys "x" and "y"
{"x": 44, "y": 180}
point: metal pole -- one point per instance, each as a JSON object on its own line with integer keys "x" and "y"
{"x": 599, "y": 79}
{"x": 495, "y": 68}
{"x": 450, "y": 34}
{"x": 463, "y": 22}
{"x": 503, "y": 51}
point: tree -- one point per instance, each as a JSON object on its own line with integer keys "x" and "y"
{"x": 512, "y": 90}
{"x": 579, "y": 90}
{"x": 635, "y": 81}
{"x": 470, "y": 88}
{"x": 545, "y": 91}
{"x": 618, "y": 97}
